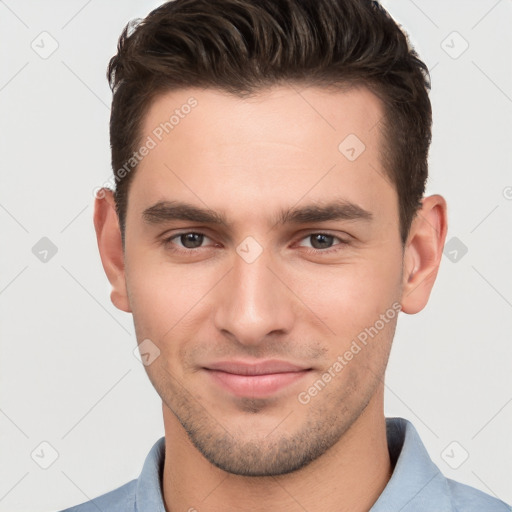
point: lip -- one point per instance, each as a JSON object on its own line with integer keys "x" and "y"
{"x": 256, "y": 380}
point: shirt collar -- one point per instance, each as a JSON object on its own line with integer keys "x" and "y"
{"x": 416, "y": 484}
{"x": 148, "y": 495}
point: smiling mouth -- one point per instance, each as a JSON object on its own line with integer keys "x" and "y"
{"x": 256, "y": 380}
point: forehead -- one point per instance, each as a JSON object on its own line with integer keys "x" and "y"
{"x": 281, "y": 142}
{"x": 307, "y": 112}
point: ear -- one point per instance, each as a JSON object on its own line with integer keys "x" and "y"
{"x": 423, "y": 252}
{"x": 110, "y": 246}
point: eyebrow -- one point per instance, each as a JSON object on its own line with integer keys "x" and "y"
{"x": 166, "y": 211}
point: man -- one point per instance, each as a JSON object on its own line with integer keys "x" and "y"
{"x": 267, "y": 227}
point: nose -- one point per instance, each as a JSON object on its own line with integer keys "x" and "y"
{"x": 253, "y": 303}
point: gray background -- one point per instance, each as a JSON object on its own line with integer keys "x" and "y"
{"x": 68, "y": 374}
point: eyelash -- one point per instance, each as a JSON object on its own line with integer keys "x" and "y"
{"x": 167, "y": 242}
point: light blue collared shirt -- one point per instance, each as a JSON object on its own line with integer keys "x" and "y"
{"x": 417, "y": 485}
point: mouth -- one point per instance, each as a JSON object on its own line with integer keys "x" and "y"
{"x": 255, "y": 380}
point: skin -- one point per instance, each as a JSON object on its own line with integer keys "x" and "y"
{"x": 249, "y": 159}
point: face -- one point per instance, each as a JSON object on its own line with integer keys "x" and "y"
{"x": 263, "y": 259}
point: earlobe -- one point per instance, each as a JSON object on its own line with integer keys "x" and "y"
{"x": 108, "y": 235}
{"x": 423, "y": 253}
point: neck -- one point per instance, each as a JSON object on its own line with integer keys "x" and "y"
{"x": 350, "y": 476}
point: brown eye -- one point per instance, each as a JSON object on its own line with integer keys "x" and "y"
{"x": 321, "y": 241}
{"x": 191, "y": 240}
{"x": 186, "y": 242}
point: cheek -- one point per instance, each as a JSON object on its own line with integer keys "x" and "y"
{"x": 164, "y": 296}
{"x": 351, "y": 296}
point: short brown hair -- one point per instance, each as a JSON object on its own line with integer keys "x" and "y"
{"x": 242, "y": 46}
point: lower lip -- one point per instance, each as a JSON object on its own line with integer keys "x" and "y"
{"x": 255, "y": 386}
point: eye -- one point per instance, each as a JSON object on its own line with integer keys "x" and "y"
{"x": 186, "y": 242}
{"x": 323, "y": 242}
